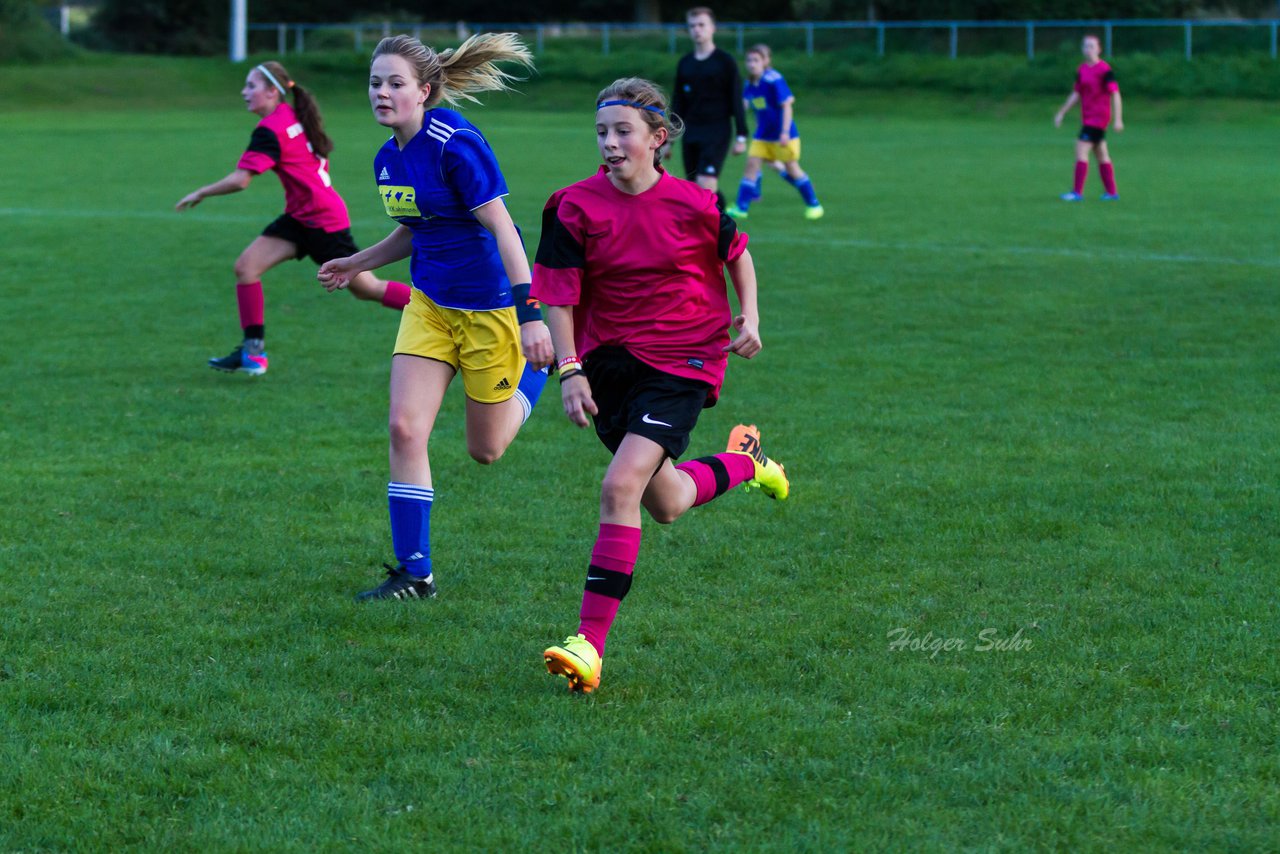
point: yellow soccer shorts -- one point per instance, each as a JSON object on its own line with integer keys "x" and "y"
{"x": 484, "y": 346}
{"x": 769, "y": 151}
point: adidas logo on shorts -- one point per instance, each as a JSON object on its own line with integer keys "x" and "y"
{"x": 503, "y": 385}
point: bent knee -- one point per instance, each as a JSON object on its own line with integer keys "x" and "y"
{"x": 485, "y": 455}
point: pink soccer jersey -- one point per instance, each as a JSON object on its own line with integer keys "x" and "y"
{"x": 1094, "y": 85}
{"x": 645, "y": 272}
{"x": 280, "y": 143}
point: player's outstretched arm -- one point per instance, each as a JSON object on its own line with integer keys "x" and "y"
{"x": 747, "y": 324}
{"x": 339, "y": 272}
{"x": 1072, "y": 99}
{"x": 575, "y": 391}
{"x": 233, "y": 183}
{"x": 535, "y": 340}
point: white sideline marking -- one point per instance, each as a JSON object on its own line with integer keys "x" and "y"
{"x": 1060, "y": 251}
{"x": 845, "y": 242}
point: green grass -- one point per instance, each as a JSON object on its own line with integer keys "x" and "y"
{"x": 999, "y": 413}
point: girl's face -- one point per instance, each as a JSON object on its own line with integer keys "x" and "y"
{"x": 394, "y": 91}
{"x": 1091, "y": 49}
{"x": 626, "y": 142}
{"x": 755, "y": 66}
{"x": 259, "y": 95}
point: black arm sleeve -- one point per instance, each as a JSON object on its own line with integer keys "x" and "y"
{"x": 264, "y": 141}
{"x": 728, "y": 231}
{"x": 678, "y": 98}
{"x": 1109, "y": 77}
{"x": 558, "y": 249}
{"x": 735, "y": 98}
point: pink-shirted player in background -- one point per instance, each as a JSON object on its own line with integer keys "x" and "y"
{"x": 1099, "y": 96}
{"x": 630, "y": 271}
{"x": 291, "y": 141}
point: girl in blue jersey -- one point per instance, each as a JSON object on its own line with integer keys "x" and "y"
{"x": 776, "y": 139}
{"x": 470, "y": 311}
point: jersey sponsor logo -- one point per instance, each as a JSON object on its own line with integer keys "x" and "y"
{"x": 295, "y": 130}
{"x": 398, "y": 201}
{"x": 385, "y": 176}
{"x": 759, "y": 102}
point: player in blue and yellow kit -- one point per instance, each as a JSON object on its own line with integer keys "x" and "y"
{"x": 776, "y": 139}
{"x": 470, "y": 311}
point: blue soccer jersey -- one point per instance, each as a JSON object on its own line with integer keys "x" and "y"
{"x": 766, "y": 99}
{"x": 432, "y": 186}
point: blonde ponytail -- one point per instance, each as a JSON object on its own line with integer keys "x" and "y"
{"x": 455, "y": 74}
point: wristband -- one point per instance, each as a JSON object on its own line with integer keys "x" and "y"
{"x": 527, "y": 308}
{"x": 576, "y": 372}
{"x": 569, "y": 362}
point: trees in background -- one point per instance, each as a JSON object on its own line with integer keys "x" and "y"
{"x": 200, "y": 26}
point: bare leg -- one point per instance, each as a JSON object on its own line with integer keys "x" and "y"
{"x": 417, "y": 389}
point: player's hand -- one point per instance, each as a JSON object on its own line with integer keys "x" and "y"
{"x": 784, "y": 138}
{"x": 576, "y": 394}
{"x": 1057, "y": 120}
{"x": 747, "y": 342}
{"x": 1119, "y": 126}
{"x": 337, "y": 274}
{"x": 189, "y": 201}
{"x": 535, "y": 343}
{"x": 739, "y": 147}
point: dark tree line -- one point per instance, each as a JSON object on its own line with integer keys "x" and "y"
{"x": 201, "y": 26}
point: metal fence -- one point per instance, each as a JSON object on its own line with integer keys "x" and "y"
{"x": 952, "y": 38}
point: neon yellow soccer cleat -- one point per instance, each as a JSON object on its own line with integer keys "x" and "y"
{"x": 770, "y": 475}
{"x": 812, "y": 212}
{"x": 576, "y": 660}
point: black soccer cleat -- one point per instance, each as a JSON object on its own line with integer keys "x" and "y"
{"x": 240, "y": 359}
{"x": 400, "y": 585}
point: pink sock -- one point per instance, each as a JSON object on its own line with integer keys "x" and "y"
{"x": 396, "y": 295}
{"x": 714, "y": 476}
{"x": 252, "y": 305}
{"x": 608, "y": 580}
{"x": 1108, "y": 171}
{"x": 1082, "y": 172}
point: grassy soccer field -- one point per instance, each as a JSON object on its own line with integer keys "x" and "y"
{"x": 1006, "y": 419}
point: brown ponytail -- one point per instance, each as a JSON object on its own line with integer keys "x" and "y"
{"x": 307, "y": 108}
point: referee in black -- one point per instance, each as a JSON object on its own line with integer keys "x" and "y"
{"x": 708, "y": 96}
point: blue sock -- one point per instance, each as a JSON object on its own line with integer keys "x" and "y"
{"x": 787, "y": 177}
{"x": 529, "y": 389}
{"x": 746, "y": 192}
{"x": 758, "y": 190}
{"x": 805, "y": 186}
{"x": 410, "y": 508}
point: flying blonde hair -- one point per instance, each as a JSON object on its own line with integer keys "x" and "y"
{"x": 456, "y": 73}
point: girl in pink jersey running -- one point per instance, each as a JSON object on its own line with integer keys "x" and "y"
{"x": 290, "y": 140}
{"x": 630, "y": 270}
{"x": 1098, "y": 93}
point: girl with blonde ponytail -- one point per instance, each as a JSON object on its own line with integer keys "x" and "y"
{"x": 291, "y": 142}
{"x": 470, "y": 312}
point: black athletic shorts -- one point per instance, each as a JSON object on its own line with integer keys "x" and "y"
{"x": 1089, "y": 133}
{"x": 704, "y": 150}
{"x": 321, "y": 245}
{"x": 633, "y": 397}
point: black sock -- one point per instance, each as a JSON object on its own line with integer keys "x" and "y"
{"x": 255, "y": 332}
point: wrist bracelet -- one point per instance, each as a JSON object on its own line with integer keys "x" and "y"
{"x": 576, "y": 372}
{"x": 569, "y": 362}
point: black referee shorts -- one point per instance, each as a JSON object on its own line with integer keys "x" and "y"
{"x": 704, "y": 149}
